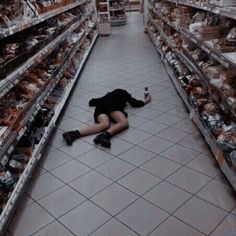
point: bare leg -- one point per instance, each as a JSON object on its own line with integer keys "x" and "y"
{"x": 103, "y": 124}
{"x": 121, "y": 123}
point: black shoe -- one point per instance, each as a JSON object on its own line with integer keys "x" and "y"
{"x": 103, "y": 139}
{"x": 71, "y": 136}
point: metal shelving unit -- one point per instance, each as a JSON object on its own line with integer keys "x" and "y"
{"x": 224, "y": 11}
{"x": 16, "y": 76}
{"x": 104, "y": 21}
{"x": 222, "y": 58}
{"x": 189, "y": 62}
{"x": 12, "y": 138}
{"x": 195, "y": 117}
{"x": 30, "y": 22}
{"x": 117, "y": 12}
{"x": 19, "y": 188}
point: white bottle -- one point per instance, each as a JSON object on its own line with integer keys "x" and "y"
{"x": 146, "y": 92}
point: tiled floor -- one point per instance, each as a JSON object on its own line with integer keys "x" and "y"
{"x": 157, "y": 179}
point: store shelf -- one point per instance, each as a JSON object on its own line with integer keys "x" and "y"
{"x": 224, "y": 103}
{"x": 133, "y": 5}
{"x": 220, "y": 57}
{"x": 104, "y": 25}
{"x": 203, "y": 78}
{"x": 11, "y": 139}
{"x": 103, "y": 13}
{"x": 116, "y": 9}
{"x": 223, "y": 58}
{"x": 16, "y": 76}
{"x": 195, "y": 117}
{"x": 194, "y": 67}
{"x": 22, "y": 182}
{"x": 224, "y": 11}
{"x": 25, "y": 24}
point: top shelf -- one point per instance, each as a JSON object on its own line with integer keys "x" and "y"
{"x": 224, "y": 11}
{"x": 25, "y": 24}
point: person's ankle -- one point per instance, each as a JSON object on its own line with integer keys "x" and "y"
{"x": 107, "y": 134}
{"x": 77, "y": 134}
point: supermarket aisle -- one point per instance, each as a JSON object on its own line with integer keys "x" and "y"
{"x": 158, "y": 178}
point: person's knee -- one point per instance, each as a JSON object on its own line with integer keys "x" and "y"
{"x": 105, "y": 125}
{"x": 125, "y": 124}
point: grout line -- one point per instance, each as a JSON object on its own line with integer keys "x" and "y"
{"x": 55, "y": 220}
{"x": 119, "y": 222}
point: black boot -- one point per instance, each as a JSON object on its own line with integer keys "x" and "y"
{"x": 71, "y": 136}
{"x": 103, "y": 139}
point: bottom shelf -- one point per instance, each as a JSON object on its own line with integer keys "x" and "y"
{"x": 227, "y": 170}
{"x": 36, "y": 155}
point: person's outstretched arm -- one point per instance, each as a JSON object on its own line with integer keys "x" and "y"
{"x": 135, "y": 102}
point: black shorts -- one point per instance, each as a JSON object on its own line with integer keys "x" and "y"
{"x": 102, "y": 110}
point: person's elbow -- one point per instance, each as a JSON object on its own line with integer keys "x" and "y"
{"x": 92, "y": 102}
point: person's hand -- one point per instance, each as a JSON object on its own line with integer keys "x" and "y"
{"x": 147, "y": 99}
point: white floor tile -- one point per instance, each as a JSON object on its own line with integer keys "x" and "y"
{"x": 186, "y": 125}
{"x": 152, "y": 127}
{"x": 167, "y": 196}
{"x": 95, "y": 157}
{"x": 188, "y": 179}
{"x": 195, "y": 142}
{"x": 90, "y": 183}
{"x": 222, "y": 195}
{"x": 201, "y": 215}
{"x": 227, "y": 227}
{"x": 137, "y": 156}
{"x": 61, "y": 201}
{"x": 54, "y": 159}
{"x": 172, "y": 134}
{"x": 142, "y": 217}
{"x": 70, "y": 171}
{"x": 139, "y": 181}
{"x": 54, "y": 229}
{"x": 84, "y": 219}
{"x": 161, "y": 167}
{"x": 180, "y": 154}
{"x": 114, "y": 198}
{"x": 29, "y": 220}
{"x": 174, "y": 227}
{"x": 135, "y": 136}
{"x": 69, "y": 124}
{"x": 205, "y": 164}
{"x": 167, "y": 119}
{"x": 79, "y": 147}
{"x": 118, "y": 146}
{"x": 114, "y": 228}
{"x": 115, "y": 169}
{"x": 156, "y": 145}
{"x": 43, "y": 185}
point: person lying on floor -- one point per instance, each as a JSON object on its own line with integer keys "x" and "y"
{"x": 108, "y": 108}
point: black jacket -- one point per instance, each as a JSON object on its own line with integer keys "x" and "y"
{"x": 114, "y": 101}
